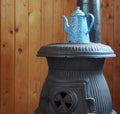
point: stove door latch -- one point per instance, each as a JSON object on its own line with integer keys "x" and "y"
{"x": 91, "y": 105}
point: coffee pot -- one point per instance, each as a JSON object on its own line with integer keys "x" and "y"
{"x": 78, "y": 30}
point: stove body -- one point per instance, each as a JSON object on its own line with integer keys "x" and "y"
{"x": 75, "y": 83}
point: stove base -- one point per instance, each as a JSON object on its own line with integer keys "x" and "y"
{"x": 38, "y": 112}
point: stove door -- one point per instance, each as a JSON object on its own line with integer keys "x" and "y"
{"x": 67, "y": 98}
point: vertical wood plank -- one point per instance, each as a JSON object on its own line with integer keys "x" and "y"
{"x": 116, "y": 91}
{"x": 107, "y": 35}
{"x": 34, "y": 61}
{"x": 58, "y": 30}
{"x": 7, "y": 57}
{"x": 0, "y": 57}
{"x": 21, "y": 57}
{"x": 46, "y": 34}
{"x": 47, "y": 22}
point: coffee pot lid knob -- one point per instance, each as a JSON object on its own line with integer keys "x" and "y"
{"x": 78, "y": 12}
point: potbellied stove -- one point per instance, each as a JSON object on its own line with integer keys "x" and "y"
{"x": 75, "y": 83}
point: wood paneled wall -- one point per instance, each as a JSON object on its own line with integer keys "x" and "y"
{"x": 26, "y": 25}
{"x": 110, "y": 30}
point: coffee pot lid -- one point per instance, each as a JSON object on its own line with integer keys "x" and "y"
{"x": 78, "y": 12}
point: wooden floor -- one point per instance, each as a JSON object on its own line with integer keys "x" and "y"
{"x": 26, "y": 25}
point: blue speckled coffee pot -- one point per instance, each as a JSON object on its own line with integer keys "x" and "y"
{"x": 78, "y": 30}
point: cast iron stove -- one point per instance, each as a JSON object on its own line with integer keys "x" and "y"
{"x": 75, "y": 83}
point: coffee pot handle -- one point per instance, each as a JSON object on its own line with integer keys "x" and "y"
{"x": 92, "y": 21}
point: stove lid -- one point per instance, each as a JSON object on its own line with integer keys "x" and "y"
{"x": 86, "y": 50}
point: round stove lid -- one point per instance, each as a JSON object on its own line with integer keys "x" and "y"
{"x": 88, "y": 50}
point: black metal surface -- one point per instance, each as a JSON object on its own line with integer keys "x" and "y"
{"x": 86, "y": 50}
{"x": 75, "y": 84}
{"x": 92, "y": 6}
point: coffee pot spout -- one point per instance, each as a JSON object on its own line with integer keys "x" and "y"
{"x": 66, "y": 25}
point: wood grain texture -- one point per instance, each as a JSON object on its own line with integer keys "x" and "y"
{"x": 116, "y": 65}
{"x": 0, "y": 58}
{"x": 111, "y": 36}
{"x": 46, "y": 35}
{"x": 58, "y": 11}
{"x": 26, "y": 25}
{"x": 34, "y": 61}
{"x": 21, "y": 57}
{"x": 7, "y": 57}
{"x": 107, "y": 24}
